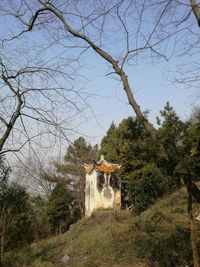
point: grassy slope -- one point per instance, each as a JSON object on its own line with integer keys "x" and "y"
{"x": 116, "y": 239}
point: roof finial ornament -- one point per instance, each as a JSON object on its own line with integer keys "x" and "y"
{"x": 102, "y": 157}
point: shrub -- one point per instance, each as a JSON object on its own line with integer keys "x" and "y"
{"x": 144, "y": 191}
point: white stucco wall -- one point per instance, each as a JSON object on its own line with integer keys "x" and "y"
{"x": 104, "y": 199}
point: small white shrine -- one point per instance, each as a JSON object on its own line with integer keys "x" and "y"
{"x": 102, "y": 187}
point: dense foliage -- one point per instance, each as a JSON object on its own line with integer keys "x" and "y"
{"x": 59, "y": 210}
{"x": 151, "y": 168}
{"x": 146, "y": 189}
{"x": 15, "y": 223}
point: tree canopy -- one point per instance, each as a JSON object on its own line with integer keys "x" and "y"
{"x": 158, "y": 167}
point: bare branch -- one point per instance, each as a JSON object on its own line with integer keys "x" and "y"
{"x": 104, "y": 55}
{"x": 196, "y": 10}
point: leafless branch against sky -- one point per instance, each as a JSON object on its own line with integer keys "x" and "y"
{"x": 122, "y": 33}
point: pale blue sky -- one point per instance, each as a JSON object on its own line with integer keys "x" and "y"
{"x": 150, "y": 87}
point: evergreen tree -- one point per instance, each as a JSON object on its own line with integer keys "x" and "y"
{"x": 59, "y": 208}
{"x": 109, "y": 144}
{"x": 125, "y": 145}
{"x": 13, "y": 212}
{"x": 130, "y": 145}
{"x": 171, "y": 135}
{"x": 189, "y": 163}
{"x": 81, "y": 152}
{"x": 38, "y": 216}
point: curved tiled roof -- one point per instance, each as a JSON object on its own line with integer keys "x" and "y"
{"x": 102, "y": 165}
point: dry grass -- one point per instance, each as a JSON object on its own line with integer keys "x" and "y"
{"x": 107, "y": 238}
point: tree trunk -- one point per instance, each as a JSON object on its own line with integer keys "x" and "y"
{"x": 2, "y": 248}
{"x": 193, "y": 231}
{"x": 60, "y": 228}
{"x": 194, "y": 190}
{"x": 196, "y": 10}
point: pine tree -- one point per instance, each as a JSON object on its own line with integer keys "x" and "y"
{"x": 59, "y": 208}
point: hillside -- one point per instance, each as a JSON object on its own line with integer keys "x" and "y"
{"x": 157, "y": 237}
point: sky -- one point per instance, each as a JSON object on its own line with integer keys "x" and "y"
{"x": 108, "y": 102}
{"x": 152, "y": 86}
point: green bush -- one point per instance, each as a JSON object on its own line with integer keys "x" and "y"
{"x": 144, "y": 191}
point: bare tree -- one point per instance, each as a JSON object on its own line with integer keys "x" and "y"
{"x": 158, "y": 28}
{"x": 30, "y": 173}
{"x": 120, "y": 32}
{"x": 37, "y": 100}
